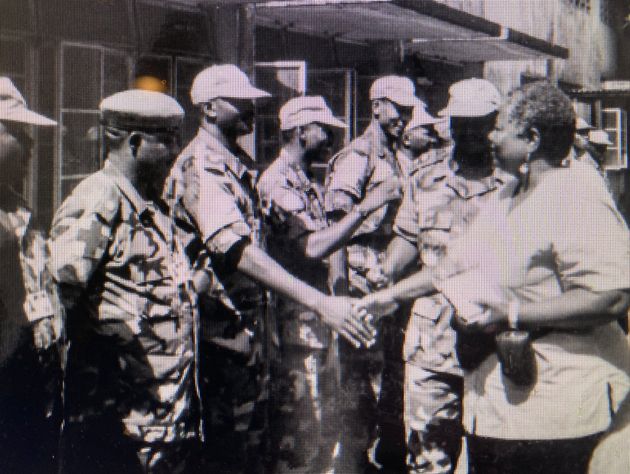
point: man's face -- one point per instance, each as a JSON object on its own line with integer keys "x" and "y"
{"x": 470, "y": 134}
{"x": 234, "y": 116}
{"x": 393, "y": 118}
{"x": 15, "y": 151}
{"x": 155, "y": 155}
{"x": 316, "y": 139}
{"x": 420, "y": 139}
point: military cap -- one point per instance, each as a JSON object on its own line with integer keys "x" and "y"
{"x": 303, "y": 110}
{"x": 421, "y": 117}
{"x": 581, "y": 124}
{"x": 398, "y": 89}
{"x": 225, "y": 81}
{"x": 471, "y": 98}
{"x": 141, "y": 109}
{"x": 13, "y": 106}
{"x": 599, "y": 137}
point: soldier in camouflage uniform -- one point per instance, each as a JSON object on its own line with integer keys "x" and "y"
{"x": 214, "y": 179}
{"x": 299, "y": 237}
{"x": 119, "y": 257}
{"x": 367, "y": 161}
{"x": 30, "y": 314}
{"x": 442, "y": 197}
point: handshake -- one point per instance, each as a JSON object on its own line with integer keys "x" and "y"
{"x": 355, "y": 319}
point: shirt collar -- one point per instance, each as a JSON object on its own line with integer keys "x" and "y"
{"x": 230, "y": 160}
{"x": 293, "y": 172}
{"x": 378, "y": 140}
{"x": 468, "y": 188}
{"x": 138, "y": 202}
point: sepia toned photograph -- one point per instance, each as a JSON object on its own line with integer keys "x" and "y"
{"x": 314, "y": 237}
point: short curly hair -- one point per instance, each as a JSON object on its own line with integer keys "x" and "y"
{"x": 543, "y": 106}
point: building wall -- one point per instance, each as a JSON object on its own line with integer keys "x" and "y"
{"x": 592, "y": 43}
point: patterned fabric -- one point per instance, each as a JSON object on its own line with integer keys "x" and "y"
{"x": 432, "y": 420}
{"x": 132, "y": 316}
{"x": 24, "y": 253}
{"x": 436, "y": 207}
{"x": 216, "y": 188}
{"x": 293, "y": 208}
{"x": 304, "y": 385}
{"x": 354, "y": 171}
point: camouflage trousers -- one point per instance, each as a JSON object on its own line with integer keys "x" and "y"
{"x": 432, "y": 420}
{"x": 304, "y": 419}
{"x": 370, "y": 404}
{"x": 100, "y": 447}
{"x": 234, "y": 393}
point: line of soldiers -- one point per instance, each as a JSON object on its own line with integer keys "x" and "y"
{"x": 152, "y": 292}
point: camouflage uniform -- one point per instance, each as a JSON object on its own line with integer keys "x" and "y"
{"x": 436, "y": 206}
{"x": 131, "y": 384}
{"x": 354, "y": 171}
{"x": 234, "y": 380}
{"x": 29, "y": 398}
{"x": 305, "y": 382}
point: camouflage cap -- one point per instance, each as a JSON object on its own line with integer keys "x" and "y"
{"x": 13, "y": 106}
{"x": 421, "y": 117}
{"x": 301, "y": 111}
{"x": 581, "y": 124}
{"x": 471, "y": 98}
{"x": 398, "y": 89}
{"x": 225, "y": 81}
{"x": 599, "y": 137}
{"x": 141, "y": 109}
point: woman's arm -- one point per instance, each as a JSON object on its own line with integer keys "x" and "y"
{"x": 575, "y": 309}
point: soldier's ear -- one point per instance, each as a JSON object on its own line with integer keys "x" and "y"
{"x": 376, "y": 107}
{"x": 135, "y": 139}
{"x": 210, "y": 110}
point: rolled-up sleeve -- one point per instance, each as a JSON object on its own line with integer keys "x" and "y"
{"x": 220, "y": 219}
{"x": 348, "y": 174}
{"x": 81, "y": 231}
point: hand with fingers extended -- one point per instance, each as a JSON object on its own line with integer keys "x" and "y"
{"x": 338, "y": 313}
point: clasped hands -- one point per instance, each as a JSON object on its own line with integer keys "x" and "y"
{"x": 355, "y": 319}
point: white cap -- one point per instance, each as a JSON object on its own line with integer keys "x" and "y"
{"x": 421, "y": 117}
{"x": 13, "y": 106}
{"x": 471, "y": 98}
{"x": 599, "y": 137}
{"x": 398, "y": 89}
{"x": 581, "y": 124}
{"x": 136, "y": 108}
{"x": 225, "y": 81}
{"x": 303, "y": 110}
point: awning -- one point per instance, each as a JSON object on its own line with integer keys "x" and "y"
{"x": 609, "y": 89}
{"x": 425, "y": 27}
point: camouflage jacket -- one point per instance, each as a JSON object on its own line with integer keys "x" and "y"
{"x": 216, "y": 186}
{"x": 27, "y": 292}
{"x": 121, "y": 265}
{"x": 354, "y": 171}
{"x": 437, "y": 206}
{"x": 293, "y": 208}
